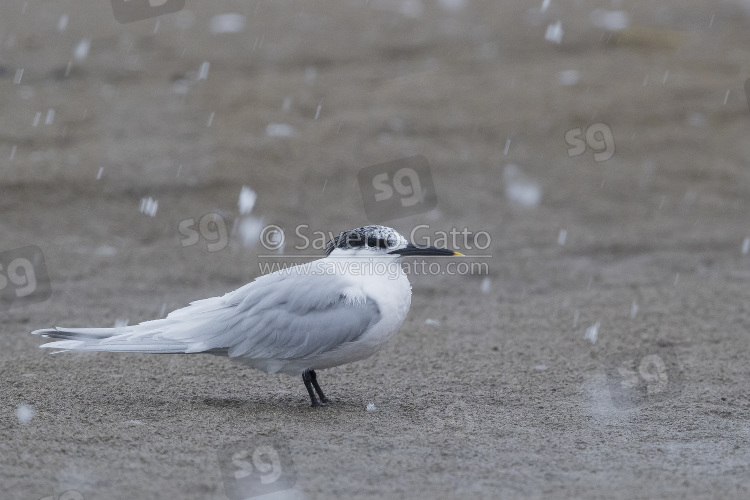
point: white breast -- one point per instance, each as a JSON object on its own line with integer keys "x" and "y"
{"x": 390, "y": 290}
{"x": 392, "y": 293}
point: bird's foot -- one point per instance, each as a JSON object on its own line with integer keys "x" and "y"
{"x": 311, "y": 382}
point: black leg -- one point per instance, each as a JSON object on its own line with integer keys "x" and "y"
{"x": 308, "y": 385}
{"x": 314, "y": 380}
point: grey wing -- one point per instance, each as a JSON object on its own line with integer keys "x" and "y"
{"x": 289, "y": 316}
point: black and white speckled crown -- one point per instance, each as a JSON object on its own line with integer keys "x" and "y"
{"x": 374, "y": 237}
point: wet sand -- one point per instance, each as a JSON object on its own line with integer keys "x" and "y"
{"x": 493, "y": 386}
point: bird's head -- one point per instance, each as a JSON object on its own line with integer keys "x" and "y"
{"x": 380, "y": 240}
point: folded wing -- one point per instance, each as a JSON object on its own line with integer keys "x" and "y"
{"x": 297, "y": 314}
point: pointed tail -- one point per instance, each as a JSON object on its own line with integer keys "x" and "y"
{"x": 123, "y": 339}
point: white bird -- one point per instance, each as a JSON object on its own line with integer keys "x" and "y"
{"x": 326, "y": 313}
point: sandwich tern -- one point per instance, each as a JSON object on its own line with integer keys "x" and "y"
{"x": 328, "y": 312}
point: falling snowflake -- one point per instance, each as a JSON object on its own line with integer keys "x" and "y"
{"x": 81, "y": 51}
{"x": 203, "y": 72}
{"x": 247, "y": 200}
{"x": 149, "y": 206}
{"x": 520, "y": 189}
{"x": 25, "y": 413}
{"x": 554, "y": 33}
{"x": 227, "y": 23}
{"x": 280, "y": 130}
{"x": 592, "y": 332}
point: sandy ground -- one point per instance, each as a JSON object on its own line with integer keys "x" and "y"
{"x": 493, "y": 387}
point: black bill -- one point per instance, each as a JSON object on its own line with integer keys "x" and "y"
{"x": 425, "y": 251}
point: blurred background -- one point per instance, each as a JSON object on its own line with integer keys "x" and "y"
{"x": 602, "y": 145}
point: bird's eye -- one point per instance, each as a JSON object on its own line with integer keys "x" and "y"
{"x": 375, "y": 242}
{"x": 359, "y": 239}
{"x": 351, "y": 240}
